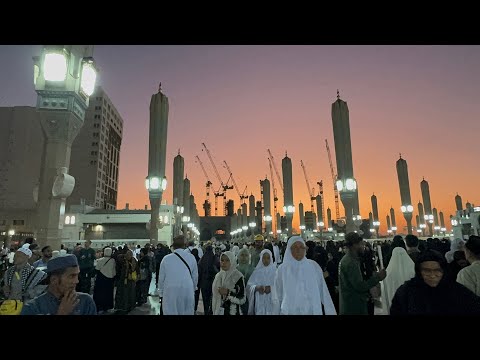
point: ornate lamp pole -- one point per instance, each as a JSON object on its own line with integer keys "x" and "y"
{"x": 64, "y": 78}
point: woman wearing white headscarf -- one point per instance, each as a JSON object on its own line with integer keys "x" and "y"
{"x": 455, "y": 245}
{"x": 228, "y": 288}
{"x": 401, "y": 268}
{"x": 300, "y": 288}
{"x": 235, "y": 250}
{"x": 104, "y": 282}
{"x": 260, "y": 285}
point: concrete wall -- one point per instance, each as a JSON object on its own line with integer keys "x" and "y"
{"x": 21, "y": 149}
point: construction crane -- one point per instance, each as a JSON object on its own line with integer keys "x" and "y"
{"x": 207, "y": 185}
{"x": 320, "y": 192}
{"x": 334, "y": 178}
{"x": 275, "y": 198}
{"x": 223, "y": 186}
{"x": 242, "y": 196}
{"x": 310, "y": 189}
{"x": 275, "y": 167}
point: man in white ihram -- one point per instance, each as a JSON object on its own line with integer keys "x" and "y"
{"x": 178, "y": 280}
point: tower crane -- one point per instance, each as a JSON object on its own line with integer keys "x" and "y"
{"x": 223, "y": 186}
{"x": 242, "y": 196}
{"x": 275, "y": 198}
{"x": 334, "y": 178}
{"x": 275, "y": 167}
{"x": 310, "y": 189}
{"x": 208, "y": 184}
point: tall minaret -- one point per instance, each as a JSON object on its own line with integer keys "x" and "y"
{"x": 436, "y": 222}
{"x": 156, "y": 181}
{"x": 252, "y": 223}
{"x": 187, "y": 212}
{"x": 458, "y": 202}
{"x": 346, "y": 183}
{"x": 394, "y": 222}
{"x": 302, "y": 217}
{"x": 238, "y": 229}
{"x": 267, "y": 210}
{"x": 288, "y": 207}
{"x": 427, "y": 205}
{"x": 389, "y": 226}
{"x": 376, "y": 222}
{"x": 403, "y": 182}
{"x": 178, "y": 173}
{"x": 320, "y": 221}
{"x": 421, "y": 218}
{"x": 442, "y": 223}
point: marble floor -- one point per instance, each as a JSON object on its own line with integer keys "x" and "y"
{"x": 152, "y": 307}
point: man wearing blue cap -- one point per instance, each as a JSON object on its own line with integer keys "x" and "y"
{"x": 61, "y": 297}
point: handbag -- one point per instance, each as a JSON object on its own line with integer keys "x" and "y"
{"x": 133, "y": 276}
{"x": 11, "y": 307}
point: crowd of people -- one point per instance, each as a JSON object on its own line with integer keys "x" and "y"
{"x": 404, "y": 276}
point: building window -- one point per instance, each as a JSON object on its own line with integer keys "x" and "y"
{"x": 67, "y": 220}
{"x": 72, "y": 220}
{"x": 18, "y": 222}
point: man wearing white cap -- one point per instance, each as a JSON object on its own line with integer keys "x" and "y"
{"x": 21, "y": 279}
{"x": 61, "y": 297}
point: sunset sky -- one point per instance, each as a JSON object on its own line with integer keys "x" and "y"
{"x": 420, "y": 101}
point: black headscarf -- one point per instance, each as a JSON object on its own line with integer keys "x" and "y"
{"x": 415, "y": 297}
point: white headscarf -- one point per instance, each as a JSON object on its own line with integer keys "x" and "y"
{"x": 226, "y": 279}
{"x": 300, "y": 288}
{"x": 106, "y": 264}
{"x": 235, "y": 250}
{"x": 401, "y": 268}
{"x": 455, "y": 245}
{"x": 264, "y": 276}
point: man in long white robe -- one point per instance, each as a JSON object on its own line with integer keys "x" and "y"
{"x": 300, "y": 288}
{"x": 177, "y": 284}
{"x": 260, "y": 286}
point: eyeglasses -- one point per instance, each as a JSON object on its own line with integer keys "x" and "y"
{"x": 432, "y": 272}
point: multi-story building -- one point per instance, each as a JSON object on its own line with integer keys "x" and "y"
{"x": 95, "y": 155}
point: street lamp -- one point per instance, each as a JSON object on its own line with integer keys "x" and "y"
{"x": 154, "y": 185}
{"x": 407, "y": 211}
{"x": 64, "y": 79}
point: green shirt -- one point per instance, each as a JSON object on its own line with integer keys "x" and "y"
{"x": 353, "y": 290}
{"x": 86, "y": 258}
